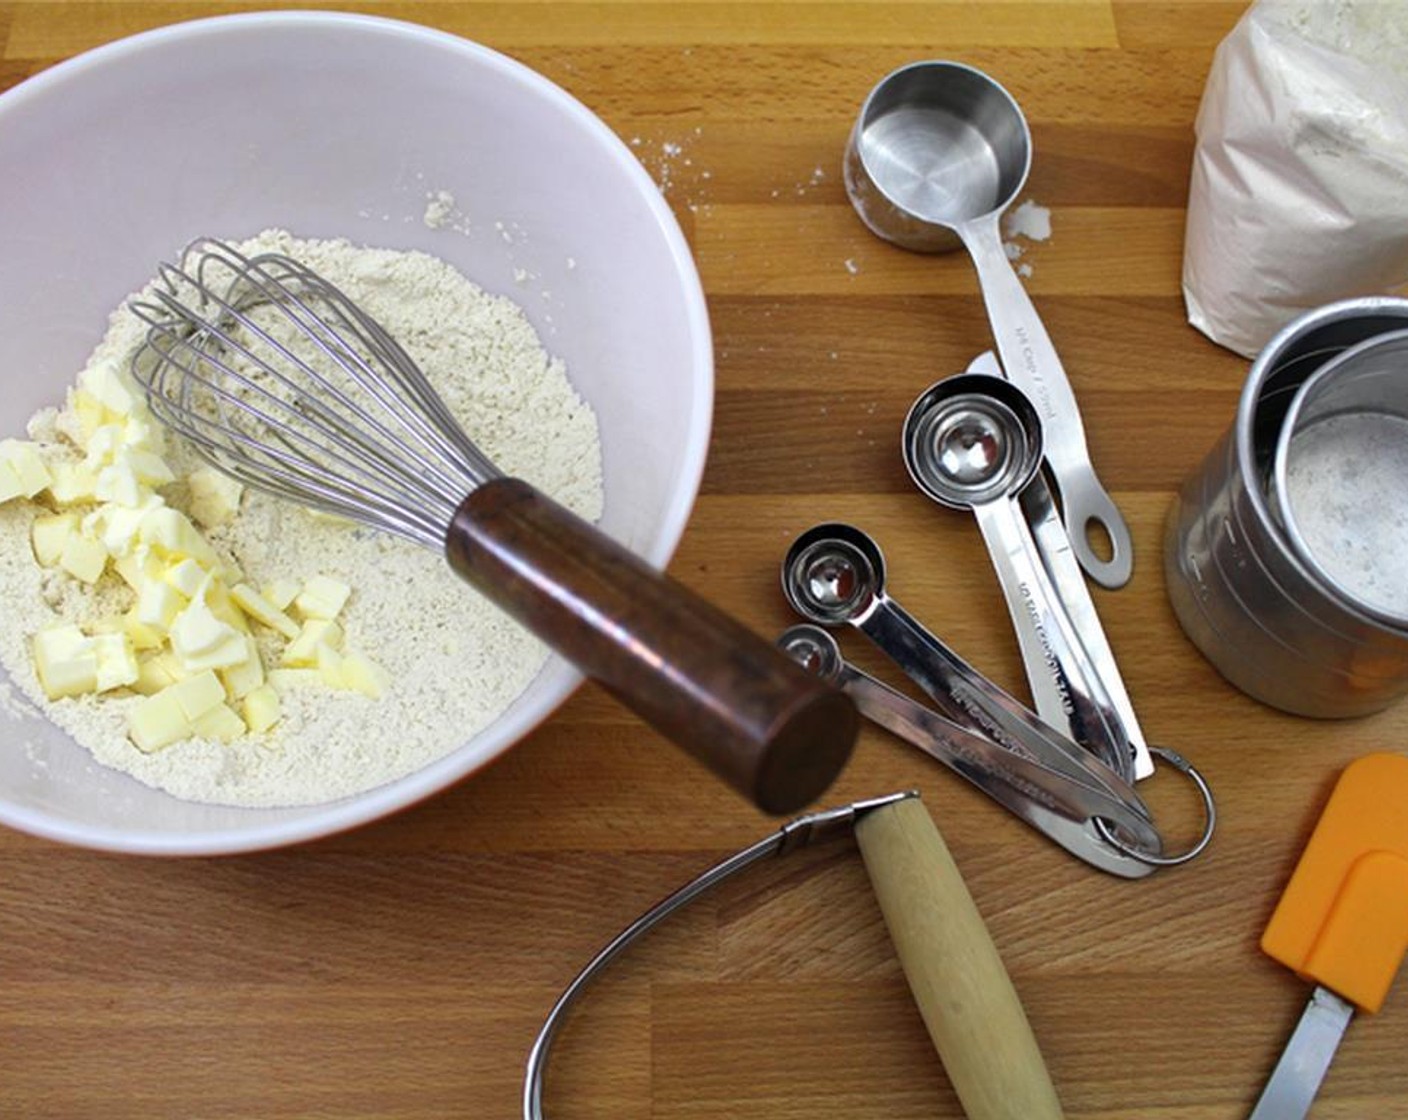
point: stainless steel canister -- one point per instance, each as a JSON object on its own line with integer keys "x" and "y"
{"x": 1269, "y": 623}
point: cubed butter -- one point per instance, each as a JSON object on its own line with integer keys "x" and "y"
{"x": 242, "y": 679}
{"x": 152, "y": 675}
{"x": 322, "y": 597}
{"x": 111, "y": 386}
{"x": 102, "y": 446}
{"x": 221, "y": 723}
{"x": 203, "y": 641}
{"x": 65, "y": 660}
{"x": 186, "y": 576}
{"x": 329, "y": 663}
{"x": 47, "y": 535}
{"x": 139, "y": 565}
{"x": 89, "y": 411}
{"x": 158, "y": 604}
{"x": 261, "y": 709}
{"x": 158, "y": 721}
{"x": 22, "y": 459}
{"x": 171, "y": 531}
{"x": 199, "y": 693}
{"x": 143, "y": 637}
{"x": 118, "y": 483}
{"x": 10, "y": 485}
{"x": 117, "y": 661}
{"x": 262, "y": 610}
{"x": 119, "y": 526}
{"x": 149, "y": 467}
{"x": 72, "y": 483}
{"x": 282, "y": 592}
{"x": 303, "y": 650}
{"x": 215, "y": 496}
{"x": 363, "y": 675}
{"x": 83, "y": 558}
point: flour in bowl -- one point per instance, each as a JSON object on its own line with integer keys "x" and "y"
{"x": 451, "y": 661}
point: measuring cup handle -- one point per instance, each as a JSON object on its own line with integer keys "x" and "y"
{"x": 1029, "y": 361}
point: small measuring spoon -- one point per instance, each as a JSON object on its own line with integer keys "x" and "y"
{"x": 1054, "y": 547}
{"x": 1060, "y": 809}
{"x": 939, "y": 151}
{"x": 834, "y": 574}
{"x": 974, "y": 442}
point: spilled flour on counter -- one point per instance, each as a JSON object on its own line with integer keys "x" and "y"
{"x": 453, "y": 661}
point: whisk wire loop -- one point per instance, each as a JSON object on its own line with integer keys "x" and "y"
{"x": 281, "y": 380}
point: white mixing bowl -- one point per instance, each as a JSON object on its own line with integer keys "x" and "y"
{"x": 337, "y": 126}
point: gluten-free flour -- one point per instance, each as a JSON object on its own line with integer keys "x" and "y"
{"x": 452, "y": 662}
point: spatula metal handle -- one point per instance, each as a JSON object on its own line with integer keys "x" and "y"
{"x": 773, "y": 731}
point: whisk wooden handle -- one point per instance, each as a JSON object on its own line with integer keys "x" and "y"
{"x": 776, "y": 733}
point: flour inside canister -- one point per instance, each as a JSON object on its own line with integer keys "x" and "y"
{"x": 453, "y": 661}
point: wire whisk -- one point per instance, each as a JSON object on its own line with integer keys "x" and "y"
{"x": 277, "y": 378}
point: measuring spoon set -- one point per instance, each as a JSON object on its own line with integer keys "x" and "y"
{"x": 939, "y": 152}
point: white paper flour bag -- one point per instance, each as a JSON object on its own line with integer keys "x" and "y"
{"x": 1299, "y": 192}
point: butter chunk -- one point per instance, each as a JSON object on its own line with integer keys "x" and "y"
{"x": 176, "y": 711}
{"x": 262, "y": 709}
{"x": 281, "y": 592}
{"x": 118, "y": 525}
{"x": 153, "y": 674}
{"x": 22, "y": 460}
{"x": 186, "y": 576}
{"x": 72, "y": 483}
{"x": 112, "y": 387}
{"x": 158, "y": 604}
{"x": 158, "y": 721}
{"x": 242, "y": 679}
{"x": 138, "y": 566}
{"x": 89, "y": 412}
{"x": 203, "y": 641}
{"x": 215, "y": 496}
{"x": 221, "y": 723}
{"x": 10, "y": 485}
{"x": 117, "y": 662}
{"x": 171, "y": 531}
{"x": 363, "y": 675}
{"x": 47, "y": 535}
{"x": 261, "y": 610}
{"x": 118, "y": 483}
{"x": 83, "y": 558}
{"x": 143, "y": 637}
{"x": 198, "y": 694}
{"x": 322, "y": 597}
{"x": 303, "y": 650}
{"x": 65, "y": 660}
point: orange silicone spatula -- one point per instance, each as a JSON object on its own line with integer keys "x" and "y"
{"x": 1341, "y": 922}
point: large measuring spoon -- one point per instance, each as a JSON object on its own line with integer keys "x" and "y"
{"x": 938, "y": 153}
{"x": 834, "y": 575}
{"x": 1054, "y": 547}
{"x": 974, "y": 442}
{"x": 1062, "y": 810}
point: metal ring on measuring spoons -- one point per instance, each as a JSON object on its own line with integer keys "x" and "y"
{"x": 1181, "y": 764}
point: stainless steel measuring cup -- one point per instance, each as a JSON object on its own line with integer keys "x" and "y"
{"x": 938, "y": 153}
{"x": 974, "y": 442}
{"x": 1238, "y": 586}
{"x": 1341, "y": 477}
